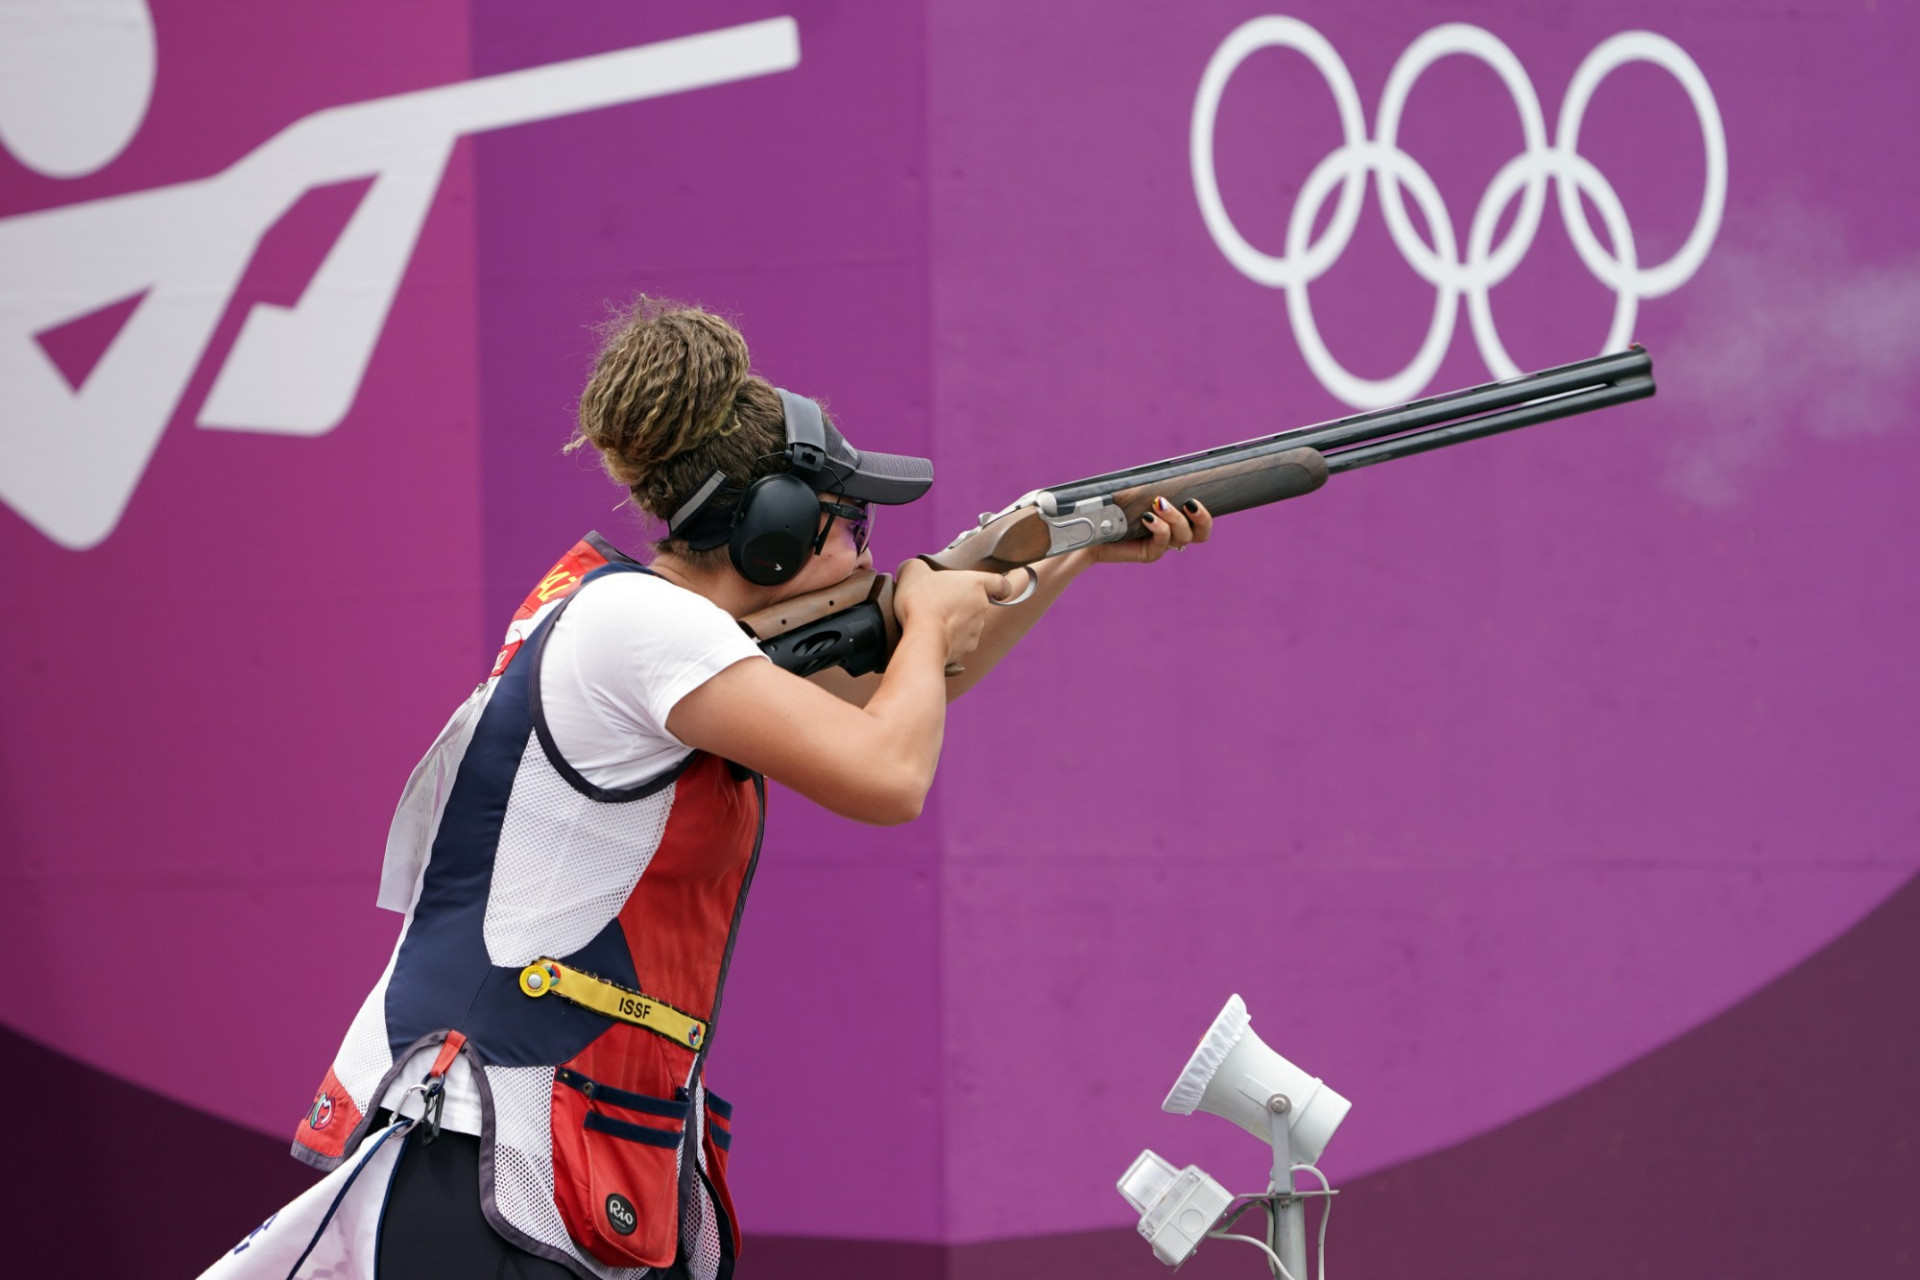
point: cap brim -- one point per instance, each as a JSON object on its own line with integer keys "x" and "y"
{"x": 886, "y": 478}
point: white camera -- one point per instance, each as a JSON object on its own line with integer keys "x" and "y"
{"x": 1176, "y": 1208}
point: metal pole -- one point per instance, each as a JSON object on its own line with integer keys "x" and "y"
{"x": 1287, "y": 1234}
{"x": 1287, "y": 1215}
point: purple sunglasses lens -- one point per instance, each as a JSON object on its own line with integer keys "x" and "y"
{"x": 859, "y": 521}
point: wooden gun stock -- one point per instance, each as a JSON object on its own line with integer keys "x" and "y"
{"x": 849, "y": 624}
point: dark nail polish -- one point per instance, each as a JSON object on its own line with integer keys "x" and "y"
{"x": 1146, "y": 517}
{"x": 1192, "y": 506}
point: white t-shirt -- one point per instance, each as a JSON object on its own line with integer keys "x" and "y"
{"x": 624, "y": 652}
{"x": 622, "y": 655}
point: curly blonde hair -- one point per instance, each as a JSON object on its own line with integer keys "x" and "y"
{"x": 672, "y": 400}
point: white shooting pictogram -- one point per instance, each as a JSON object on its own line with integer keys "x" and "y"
{"x": 71, "y": 457}
{"x": 1485, "y": 264}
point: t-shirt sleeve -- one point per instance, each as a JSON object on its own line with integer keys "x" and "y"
{"x": 623, "y": 654}
{"x": 702, "y": 641}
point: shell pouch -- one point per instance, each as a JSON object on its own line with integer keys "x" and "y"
{"x": 718, "y": 1138}
{"x": 614, "y": 1170}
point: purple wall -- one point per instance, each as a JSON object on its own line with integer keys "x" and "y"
{"x": 1481, "y": 777}
{"x": 1478, "y": 776}
{"x": 207, "y": 713}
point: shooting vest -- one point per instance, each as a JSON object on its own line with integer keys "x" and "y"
{"x": 570, "y": 943}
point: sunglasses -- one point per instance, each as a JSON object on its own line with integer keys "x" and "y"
{"x": 859, "y": 521}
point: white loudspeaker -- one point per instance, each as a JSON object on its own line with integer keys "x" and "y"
{"x": 1234, "y": 1075}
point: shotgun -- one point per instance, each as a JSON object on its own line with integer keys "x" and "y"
{"x": 851, "y": 625}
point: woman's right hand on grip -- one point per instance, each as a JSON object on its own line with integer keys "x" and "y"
{"x": 955, "y": 600}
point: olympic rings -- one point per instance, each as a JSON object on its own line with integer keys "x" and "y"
{"x": 1485, "y": 264}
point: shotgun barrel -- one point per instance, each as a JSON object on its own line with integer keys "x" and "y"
{"x": 1415, "y": 427}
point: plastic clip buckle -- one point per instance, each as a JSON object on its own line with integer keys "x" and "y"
{"x": 436, "y": 1102}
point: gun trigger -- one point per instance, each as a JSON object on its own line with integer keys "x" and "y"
{"x": 1033, "y": 583}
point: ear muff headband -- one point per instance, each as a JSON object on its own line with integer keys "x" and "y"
{"x": 806, "y": 433}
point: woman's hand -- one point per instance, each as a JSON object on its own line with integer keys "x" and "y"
{"x": 871, "y": 761}
{"x": 954, "y": 600}
{"x": 1168, "y": 528}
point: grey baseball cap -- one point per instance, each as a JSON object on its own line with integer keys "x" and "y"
{"x": 822, "y": 457}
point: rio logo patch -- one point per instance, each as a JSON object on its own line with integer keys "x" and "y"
{"x": 620, "y": 1214}
{"x": 322, "y": 1112}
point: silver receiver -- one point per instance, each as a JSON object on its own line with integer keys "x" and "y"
{"x": 1089, "y": 521}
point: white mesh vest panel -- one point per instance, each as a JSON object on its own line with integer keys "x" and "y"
{"x": 565, "y": 863}
{"x": 364, "y": 1056}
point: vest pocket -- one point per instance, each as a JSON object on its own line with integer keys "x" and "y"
{"x": 614, "y": 1170}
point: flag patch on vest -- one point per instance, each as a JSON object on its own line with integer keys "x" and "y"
{"x": 560, "y": 581}
{"x": 330, "y": 1120}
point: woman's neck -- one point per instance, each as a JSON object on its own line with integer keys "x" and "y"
{"x": 717, "y": 583}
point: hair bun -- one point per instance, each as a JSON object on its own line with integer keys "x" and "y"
{"x": 668, "y": 379}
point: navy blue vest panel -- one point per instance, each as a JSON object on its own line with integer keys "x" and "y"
{"x": 443, "y": 977}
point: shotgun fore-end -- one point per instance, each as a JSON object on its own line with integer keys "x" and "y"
{"x": 1230, "y": 487}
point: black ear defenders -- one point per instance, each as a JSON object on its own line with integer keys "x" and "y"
{"x": 773, "y": 529}
{"x": 775, "y": 523}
